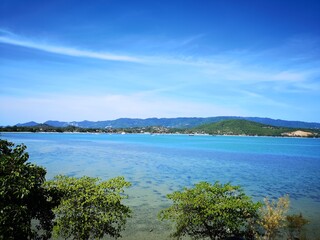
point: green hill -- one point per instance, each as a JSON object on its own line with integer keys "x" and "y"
{"x": 241, "y": 127}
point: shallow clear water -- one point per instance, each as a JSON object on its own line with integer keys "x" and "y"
{"x": 159, "y": 164}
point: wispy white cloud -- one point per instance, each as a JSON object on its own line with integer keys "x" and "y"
{"x": 238, "y": 67}
{"x": 12, "y": 39}
{"x": 192, "y": 38}
{"x": 165, "y": 85}
{"x": 234, "y": 71}
{"x": 253, "y": 97}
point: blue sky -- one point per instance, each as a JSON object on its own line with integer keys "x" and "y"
{"x": 101, "y": 60}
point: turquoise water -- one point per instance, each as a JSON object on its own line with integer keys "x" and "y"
{"x": 159, "y": 164}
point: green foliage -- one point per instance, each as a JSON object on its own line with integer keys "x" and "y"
{"x": 90, "y": 208}
{"x": 44, "y": 128}
{"x": 272, "y": 216}
{"x": 218, "y": 126}
{"x": 295, "y": 223}
{"x": 241, "y": 127}
{"x": 211, "y": 211}
{"x": 23, "y": 197}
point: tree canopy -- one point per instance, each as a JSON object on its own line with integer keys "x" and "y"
{"x": 211, "y": 211}
{"x": 23, "y": 197}
{"x": 90, "y": 208}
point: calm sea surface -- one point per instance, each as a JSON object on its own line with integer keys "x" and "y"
{"x": 159, "y": 164}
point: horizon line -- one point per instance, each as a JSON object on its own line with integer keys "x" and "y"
{"x": 242, "y": 117}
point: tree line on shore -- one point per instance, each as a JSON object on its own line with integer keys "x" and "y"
{"x": 74, "y": 129}
{"x": 89, "y": 208}
{"x": 225, "y": 127}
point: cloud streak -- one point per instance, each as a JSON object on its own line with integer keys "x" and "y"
{"x": 164, "y": 85}
{"x": 12, "y": 39}
{"x": 231, "y": 67}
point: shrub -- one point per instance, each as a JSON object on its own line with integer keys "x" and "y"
{"x": 272, "y": 216}
{"x": 90, "y": 208}
{"x": 211, "y": 211}
{"x": 23, "y": 197}
{"x": 295, "y": 223}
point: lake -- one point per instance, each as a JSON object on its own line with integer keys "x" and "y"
{"x": 160, "y": 164}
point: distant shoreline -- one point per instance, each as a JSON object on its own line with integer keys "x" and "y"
{"x": 155, "y": 134}
{"x": 230, "y": 127}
